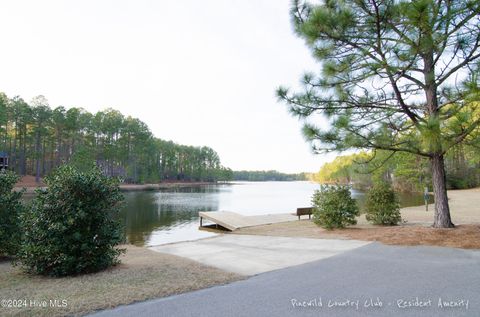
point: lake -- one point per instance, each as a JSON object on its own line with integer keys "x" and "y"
{"x": 171, "y": 215}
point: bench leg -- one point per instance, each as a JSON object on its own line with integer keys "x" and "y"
{"x": 201, "y": 221}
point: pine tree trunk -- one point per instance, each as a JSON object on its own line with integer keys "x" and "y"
{"x": 442, "y": 211}
{"x": 44, "y": 153}
{"x": 13, "y": 160}
{"x": 24, "y": 151}
{"x": 37, "y": 156}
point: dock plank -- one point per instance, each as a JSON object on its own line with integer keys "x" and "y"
{"x": 233, "y": 221}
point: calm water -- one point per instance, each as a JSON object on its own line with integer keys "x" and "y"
{"x": 159, "y": 217}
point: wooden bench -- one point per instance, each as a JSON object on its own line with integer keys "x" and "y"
{"x": 304, "y": 211}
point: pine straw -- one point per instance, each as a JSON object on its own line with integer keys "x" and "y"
{"x": 29, "y": 181}
{"x": 465, "y": 236}
{"x": 143, "y": 275}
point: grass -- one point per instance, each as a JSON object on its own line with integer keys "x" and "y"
{"x": 143, "y": 274}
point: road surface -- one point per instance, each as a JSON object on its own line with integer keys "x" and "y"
{"x": 373, "y": 280}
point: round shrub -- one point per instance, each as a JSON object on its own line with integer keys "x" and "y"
{"x": 10, "y": 209}
{"x": 71, "y": 228}
{"x": 382, "y": 206}
{"x": 334, "y": 207}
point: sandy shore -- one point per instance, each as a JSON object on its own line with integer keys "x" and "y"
{"x": 464, "y": 208}
{"x": 417, "y": 230}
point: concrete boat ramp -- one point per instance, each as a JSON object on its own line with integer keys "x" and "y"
{"x": 233, "y": 221}
{"x": 249, "y": 254}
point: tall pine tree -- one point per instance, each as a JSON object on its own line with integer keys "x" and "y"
{"x": 393, "y": 72}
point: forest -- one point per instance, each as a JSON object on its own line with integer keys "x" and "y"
{"x": 37, "y": 139}
{"x": 405, "y": 171}
{"x": 263, "y": 176}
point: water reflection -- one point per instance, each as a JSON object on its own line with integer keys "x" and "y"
{"x": 152, "y": 218}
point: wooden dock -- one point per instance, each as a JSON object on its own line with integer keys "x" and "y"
{"x": 233, "y": 221}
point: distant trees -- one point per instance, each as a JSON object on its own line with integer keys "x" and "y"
{"x": 342, "y": 170}
{"x": 405, "y": 171}
{"x": 262, "y": 176}
{"x": 38, "y": 138}
{"x": 41, "y": 113}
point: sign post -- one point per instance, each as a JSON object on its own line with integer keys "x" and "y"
{"x": 425, "y": 197}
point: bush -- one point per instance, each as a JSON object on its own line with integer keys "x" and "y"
{"x": 10, "y": 209}
{"x": 382, "y": 206}
{"x": 71, "y": 227}
{"x": 334, "y": 207}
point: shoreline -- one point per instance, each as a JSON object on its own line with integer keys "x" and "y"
{"x": 31, "y": 186}
{"x": 29, "y": 189}
{"x": 417, "y": 230}
{"x": 151, "y": 187}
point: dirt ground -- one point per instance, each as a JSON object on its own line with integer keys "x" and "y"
{"x": 416, "y": 230}
{"x": 463, "y": 236}
{"x": 28, "y": 181}
{"x": 143, "y": 274}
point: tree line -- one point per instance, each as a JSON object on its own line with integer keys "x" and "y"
{"x": 38, "y": 138}
{"x": 262, "y": 176}
{"x": 405, "y": 171}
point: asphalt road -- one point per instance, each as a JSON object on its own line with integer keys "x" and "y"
{"x": 374, "y": 280}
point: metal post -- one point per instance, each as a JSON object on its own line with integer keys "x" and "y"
{"x": 425, "y": 197}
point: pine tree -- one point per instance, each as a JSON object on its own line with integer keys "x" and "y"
{"x": 393, "y": 72}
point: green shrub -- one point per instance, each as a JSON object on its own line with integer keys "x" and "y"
{"x": 334, "y": 207}
{"x": 10, "y": 209}
{"x": 71, "y": 228}
{"x": 382, "y": 206}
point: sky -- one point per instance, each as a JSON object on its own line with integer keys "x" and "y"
{"x": 196, "y": 72}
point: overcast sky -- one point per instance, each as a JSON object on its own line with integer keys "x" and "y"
{"x": 197, "y": 72}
